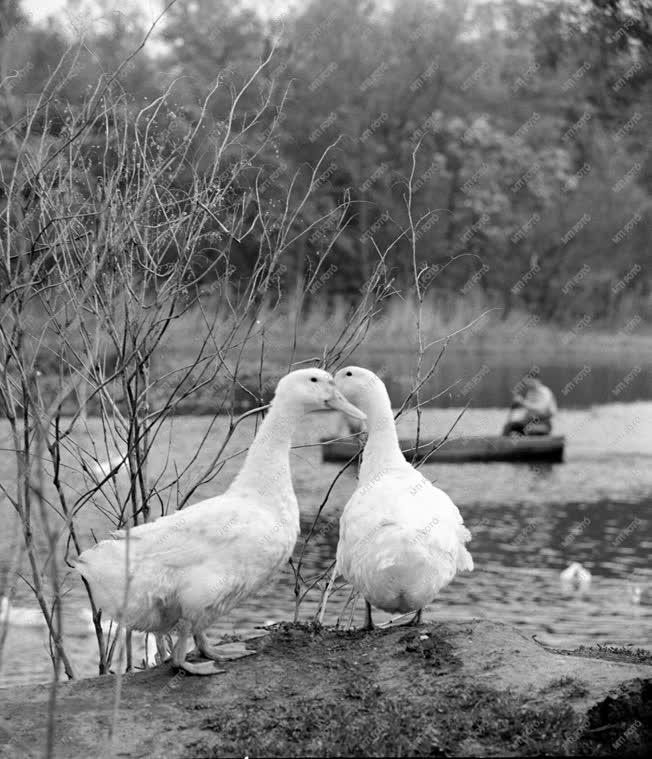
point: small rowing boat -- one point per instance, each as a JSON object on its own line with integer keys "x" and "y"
{"x": 516, "y": 448}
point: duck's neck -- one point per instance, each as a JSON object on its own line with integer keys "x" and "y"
{"x": 382, "y": 450}
{"x": 267, "y": 465}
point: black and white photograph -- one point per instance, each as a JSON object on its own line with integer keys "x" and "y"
{"x": 325, "y": 378}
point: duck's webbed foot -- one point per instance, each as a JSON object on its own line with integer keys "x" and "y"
{"x": 192, "y": 668}
{"x": 368, "y": 622}
{"x": 223, "y": 652}
{"x": 201, "y": 668}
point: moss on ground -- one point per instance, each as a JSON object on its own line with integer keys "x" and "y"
{"x": 429, "y": 712}
{"x": 379, "y": 724}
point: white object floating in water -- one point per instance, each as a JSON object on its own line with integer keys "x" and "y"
{"x": 103, "y": 469}
{"x": 86, "y": 617}
{"x": 19, "y": 616}
{"x": 640, "y": 595}
{"x": 25, "y": 616}
{"x": 575, "y": 577}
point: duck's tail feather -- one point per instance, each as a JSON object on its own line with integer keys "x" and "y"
{"x": 464, "y": 558}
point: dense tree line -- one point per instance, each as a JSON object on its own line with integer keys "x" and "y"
{"x": 528, "y": 124}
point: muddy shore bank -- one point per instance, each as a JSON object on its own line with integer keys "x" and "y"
{"x": 474, "y": 688}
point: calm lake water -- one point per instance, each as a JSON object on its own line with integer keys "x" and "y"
{"x": 528, "y": 522}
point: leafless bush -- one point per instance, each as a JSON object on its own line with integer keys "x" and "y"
{"x": 113, "y": 231}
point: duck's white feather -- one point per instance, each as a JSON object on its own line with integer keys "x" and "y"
{"x": 195, "y": 565}
{"x": 401, "y": 541}
{"x": 401, "y": 538}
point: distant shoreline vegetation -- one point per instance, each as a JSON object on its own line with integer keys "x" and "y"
{"x": 391, "y": 333}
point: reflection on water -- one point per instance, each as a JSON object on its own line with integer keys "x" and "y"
{"x": 485, "y": 378}
{"x": 528, "y": 523}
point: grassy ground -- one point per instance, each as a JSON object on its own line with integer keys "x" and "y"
{"x": 474, "y": 688}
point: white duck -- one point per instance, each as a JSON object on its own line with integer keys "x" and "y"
{"x": 575, "y": 577}
{"x": 189, "y": 568}
{"x": 401, "y": 539}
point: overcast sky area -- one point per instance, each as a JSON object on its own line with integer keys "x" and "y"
{"x": 41, "y": 9}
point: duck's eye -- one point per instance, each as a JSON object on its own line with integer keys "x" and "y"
{"x": 349, "y": 374}
{"x": 313, "y": 379}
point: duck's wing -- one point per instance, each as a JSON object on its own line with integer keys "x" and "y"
{"x": 208, "y": 547}
{"x": 225, "y": 528}
{"x": 442, "y": 527}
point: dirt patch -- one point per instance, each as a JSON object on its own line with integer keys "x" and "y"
{"x": 448, "y": 689}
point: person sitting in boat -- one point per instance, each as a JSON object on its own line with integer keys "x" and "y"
{"x": 532, "y": 410}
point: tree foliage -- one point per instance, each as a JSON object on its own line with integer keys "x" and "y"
{"x": 530, "y": 120}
